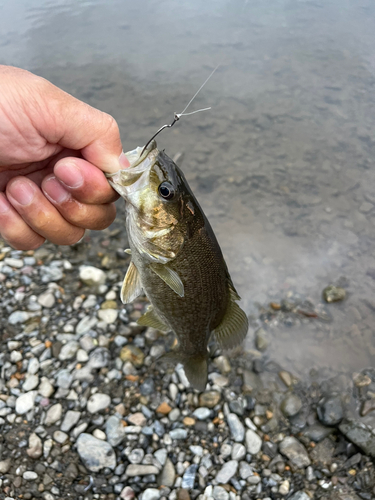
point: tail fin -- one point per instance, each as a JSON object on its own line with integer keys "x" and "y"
{"x": 196, "y": 368}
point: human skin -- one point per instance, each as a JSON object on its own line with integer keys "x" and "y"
{"x": 53, "y": 152}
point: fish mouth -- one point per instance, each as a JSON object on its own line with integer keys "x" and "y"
{"x": 128, "y": 180}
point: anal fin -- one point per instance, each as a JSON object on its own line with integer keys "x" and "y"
{"x": 233, "y": 328}
{"x": 132, "y": 287}
{"x": 150, "y": 318}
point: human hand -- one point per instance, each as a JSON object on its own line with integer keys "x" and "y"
{"x": 53, "y": 151}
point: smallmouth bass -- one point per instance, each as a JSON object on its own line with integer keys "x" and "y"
{"x": 177, "y": 262}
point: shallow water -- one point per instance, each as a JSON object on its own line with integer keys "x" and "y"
{"x": 283, "y": 164}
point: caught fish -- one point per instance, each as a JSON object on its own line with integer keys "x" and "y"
{"x": 177, "y": 262}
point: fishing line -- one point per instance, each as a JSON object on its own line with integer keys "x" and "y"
{"x": 177, "y": 116}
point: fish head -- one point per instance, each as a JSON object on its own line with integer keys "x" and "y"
{"x": 160, "y": 203}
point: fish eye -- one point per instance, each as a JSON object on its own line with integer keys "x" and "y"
{"x": 166, "y": 190}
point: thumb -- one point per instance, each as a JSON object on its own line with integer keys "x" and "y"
{"x": 74, "y": 124}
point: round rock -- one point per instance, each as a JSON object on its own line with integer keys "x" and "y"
{"x": 95, "y": 453}
{"x": 291, "y": 405}
{"x": 98, "y": 402}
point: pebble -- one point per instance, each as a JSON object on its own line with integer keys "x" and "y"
{"x": 291, "y": 405}
{"x": 227, "y": 471}
{"x": 188, "y": 479}
{"x": 238, "y": 452}
{"x": 30, "y": 475}
{"x": 91, "y": 276}
{"x": 178, "y": 433}
{"x": 115, "y": 430}
{"x": 202, "y": 413}
{"x": 17, "y": 317}
{"x": 334, "y": 293}
{"x": 133, "y": 470}
{"x": 295, "y": 452}
{"x": 33, "y": 366}
{"x": 168, "y": 474}
{"x": 301, "y": 495}
{"x": 245, "y": 470}
{"x": 95, "y": 453}
{"x": 71, "y": 418}
{"x": 209, "y": 399}
{"x": 25, "y": 402}
{"x": 5, "y": 465}
{"x": 284, "y": 487}
{"x": 60, "y": 437}
{"x": 31, "y": 382}
{"x": 47, "y": 299}
{"x": 236, "y": 427}
{"x": 253, "y": 442}
{"x": 69, "y": 350}
{"x": 45, "y": 388}
{"x": 53, "y": 414}
{"x": 99, "y": 434}
{"x": 109, "y": 316}
{"x": 261, "y": 340}
{"x": 151, "y": 494}
{"x": 35, "y": 448}
{"x": 98, "y": 402}
{"x": 133, "y": 354}
{"x": 330, "y": 410}
{"x": 218, "y": 493}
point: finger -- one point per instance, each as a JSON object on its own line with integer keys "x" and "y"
{"x": 78, "y": 126}
{"x": 85, "y": 181}
{"x": 14, "y": 230}
{"x": 38, "y": 213}
{"x": 79, "y": 214}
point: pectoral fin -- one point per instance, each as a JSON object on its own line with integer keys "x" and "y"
{"x": 132, "y": 287}
{"x": 150, "y": 318}
{"x": 170, "y": 277}
{"x": 232, "y": 330}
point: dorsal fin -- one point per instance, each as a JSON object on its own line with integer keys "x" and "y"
{"x": 132, "y": 287}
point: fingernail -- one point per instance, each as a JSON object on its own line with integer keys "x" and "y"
{"x": 22, "y": 191}
{"x": 4, "y": 204}
{"x": 124, "y": 162}
{"x": 54, "y": 190}
{"x": 70, "y": 174}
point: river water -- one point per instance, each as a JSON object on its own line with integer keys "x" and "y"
{"x": 283, "y": 164}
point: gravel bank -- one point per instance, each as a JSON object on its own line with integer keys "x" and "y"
{"x": 86, "y": 413}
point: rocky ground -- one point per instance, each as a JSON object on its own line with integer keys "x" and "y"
{"x": 86, "y": 413}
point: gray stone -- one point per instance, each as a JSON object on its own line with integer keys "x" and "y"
{"x": 115, "y": 430}
{"x": 18, "y": 317}
{"x": 53, "y": 414}
{"x": 86, "y": 323}
{"x": 291, "y": 405}
{"x": 5, "y": 465}
{"x": 253, "y": 442}
{"x": 219, "y": 493}
{"x": 92, "y": 276}
{"x": 236, "y": 427}
{"x": 161, "y": 455}
{"x": 35, "y": 448}
{"x": 45, "y": 388}
{"x": 25, "y": 402}
{"x": 47, "y": 299}
{"x": 95, "y": 453}
{"x": 178, "y": 433}
{"x": 60, "y": 437}
{"x": 30, "y": 475}
{"x": 238, "y": 452}
{"x": 360, "y": 434}
{"x": 109, "y": 316}
{"x": 133, "y": 470}
{"x": 300, "y": 495}
{"x": 31, "y": 381}
{"x": 33, "y": 366}
{"x": 295, "y": 452}
{"x": 99, "y": 358}
{"x": 188, "y": 479}
{"x": 69, "y": 350}
{"x": 202, "y": 413}
{"x": 330, "y": 411}
{"x": 261, "y": 340}
{"x": 245, "y": 470}
{"x": 136, "y": 456}
{"x": 151, "y": 494}
{"x": 227, "y": 471}
{"x": 196, "y": 450}
{"x": 98, "y": 402}
{"x": 168, "y": 474}
{"x": 70, "y": 420}
{"x": 64, "y": 379}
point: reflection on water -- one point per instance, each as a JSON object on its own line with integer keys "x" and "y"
{"x": 283, "y": 164}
